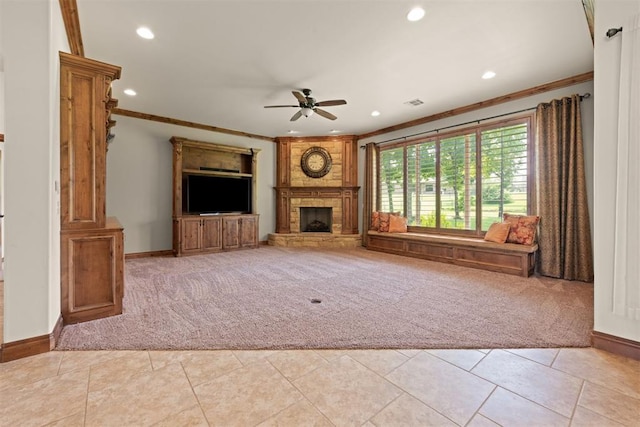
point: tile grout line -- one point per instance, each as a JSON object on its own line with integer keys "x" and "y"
{"x": 407, "y": 392}
{"x": 477, "y": 411}
{"x": 575, "y": 405}
{"x": 192, "y": 391}
{"x": 304, "y": 396}
{"x": 86, "y": 398}
{"x": 524, "y": 397}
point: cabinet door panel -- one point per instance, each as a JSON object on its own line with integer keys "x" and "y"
{"x": 191, "y": 237}
{"x": 92, "y": 275}
{"x": 230, "y": 239}
{"x": 212, "y": 233}
{"x": 82, "y": 149}
{"x": 248, "y": 232}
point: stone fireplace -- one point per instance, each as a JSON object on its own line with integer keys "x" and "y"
{"x": 330, "y": 201}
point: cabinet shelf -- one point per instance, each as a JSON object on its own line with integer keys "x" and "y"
{"x": 217, "y": 173}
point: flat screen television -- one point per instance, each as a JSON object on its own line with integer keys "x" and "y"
{"x": 216, "y": 194}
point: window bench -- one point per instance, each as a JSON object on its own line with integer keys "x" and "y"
{"x": 507, "y": 258}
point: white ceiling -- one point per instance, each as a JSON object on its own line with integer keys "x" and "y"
{"x": 218, "y": 62}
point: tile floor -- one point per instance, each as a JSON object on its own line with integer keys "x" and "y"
{"x": 528, "y": 387}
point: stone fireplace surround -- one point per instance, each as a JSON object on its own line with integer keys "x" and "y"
{"x": 336, "y": 190}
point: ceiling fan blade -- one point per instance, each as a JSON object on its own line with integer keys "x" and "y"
{"x": 325, "y": 114}
{"x": 280, "y": 106}
{"x": 296, "y": 116}
{"x": 330, "y": 103}
{"x": 300, "y": 97}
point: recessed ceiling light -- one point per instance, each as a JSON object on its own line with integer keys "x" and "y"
{"x": 334, "y": 131}
{"x": 145, "y": 33}
{"x": 415, "y": 14}
{"x": 488, "y": 75}
{"x": 130, "y": 92}
{"x": 292, "y": 131}
{"x": 375, "y": 113}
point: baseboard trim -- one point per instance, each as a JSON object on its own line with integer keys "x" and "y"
{"x": 31, "y": 346}
{"x": 616, "y": 345}
{"x": 149, "y": 254}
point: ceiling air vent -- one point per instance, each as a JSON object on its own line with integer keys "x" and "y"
{"x": 414, "y": 102}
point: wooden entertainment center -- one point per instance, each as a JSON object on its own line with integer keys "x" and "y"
{"x": 212, "y": 231}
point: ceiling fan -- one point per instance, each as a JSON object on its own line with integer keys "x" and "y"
{"x": 308, "y": 105}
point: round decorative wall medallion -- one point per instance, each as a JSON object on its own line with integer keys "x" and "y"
{"x": 316, "y": 162}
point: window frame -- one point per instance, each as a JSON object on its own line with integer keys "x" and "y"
{"x": 526, "y": 119}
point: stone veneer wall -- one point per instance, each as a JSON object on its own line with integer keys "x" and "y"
{"x": 332, "y": 179}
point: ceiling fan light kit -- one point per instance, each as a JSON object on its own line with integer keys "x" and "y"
{"x": 308, "y": 105}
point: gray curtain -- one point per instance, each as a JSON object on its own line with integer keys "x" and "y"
{"x": 565, "y": 234}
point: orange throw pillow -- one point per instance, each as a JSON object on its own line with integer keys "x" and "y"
{"x": 498, "y": 232}
{"x": 397, "y": 224}
{"x": 523, "y": 228}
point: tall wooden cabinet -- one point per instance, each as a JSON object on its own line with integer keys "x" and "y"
{"x": 92, "y": 245}
{"x": 197, "y": 234}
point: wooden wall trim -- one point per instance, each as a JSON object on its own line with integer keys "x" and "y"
{"x": 1, "y": 137}
{"x": 149, "y": 254}
{"x": 71, "y": 20}
{"x": 589, "y": 12}
{"x": 616, "y": 345}
{"x": 31, "y": 346}
{"x": 178, "y": 122}
{"x": 570, "y": 81}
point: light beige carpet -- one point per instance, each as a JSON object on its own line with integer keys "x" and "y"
{"x": 264, "y": 299}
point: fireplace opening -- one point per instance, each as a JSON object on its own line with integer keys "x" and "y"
{"x": 315, "y": 220}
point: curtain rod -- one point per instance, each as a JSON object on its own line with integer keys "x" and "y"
{"x": 585, "y": 96}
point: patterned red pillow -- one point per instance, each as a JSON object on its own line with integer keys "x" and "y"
{"x": 375, "y": 221}
{"x": 376, "y": 218}
{"x": 523, "y": 228}
{"x": 384, "y": 222}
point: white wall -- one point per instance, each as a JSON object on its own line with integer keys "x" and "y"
{"x": 587, "y": 127}
{"x": 139, "y": 171}
{"x": 32, "y": 34}
{"x": 1, "y": 77}
{"x": 609, "y": 14}
{"x": 1, "y": 147}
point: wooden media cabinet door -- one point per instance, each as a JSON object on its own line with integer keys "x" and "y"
{"x": 211, "y": 233}
{"x": 190, "y": 235}
{"x": 230, "y": 233}
{"x": 249, "y": 231}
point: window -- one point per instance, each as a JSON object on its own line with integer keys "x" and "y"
{"x": 392, "y": 180}
{"x": 460, "y": 182}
